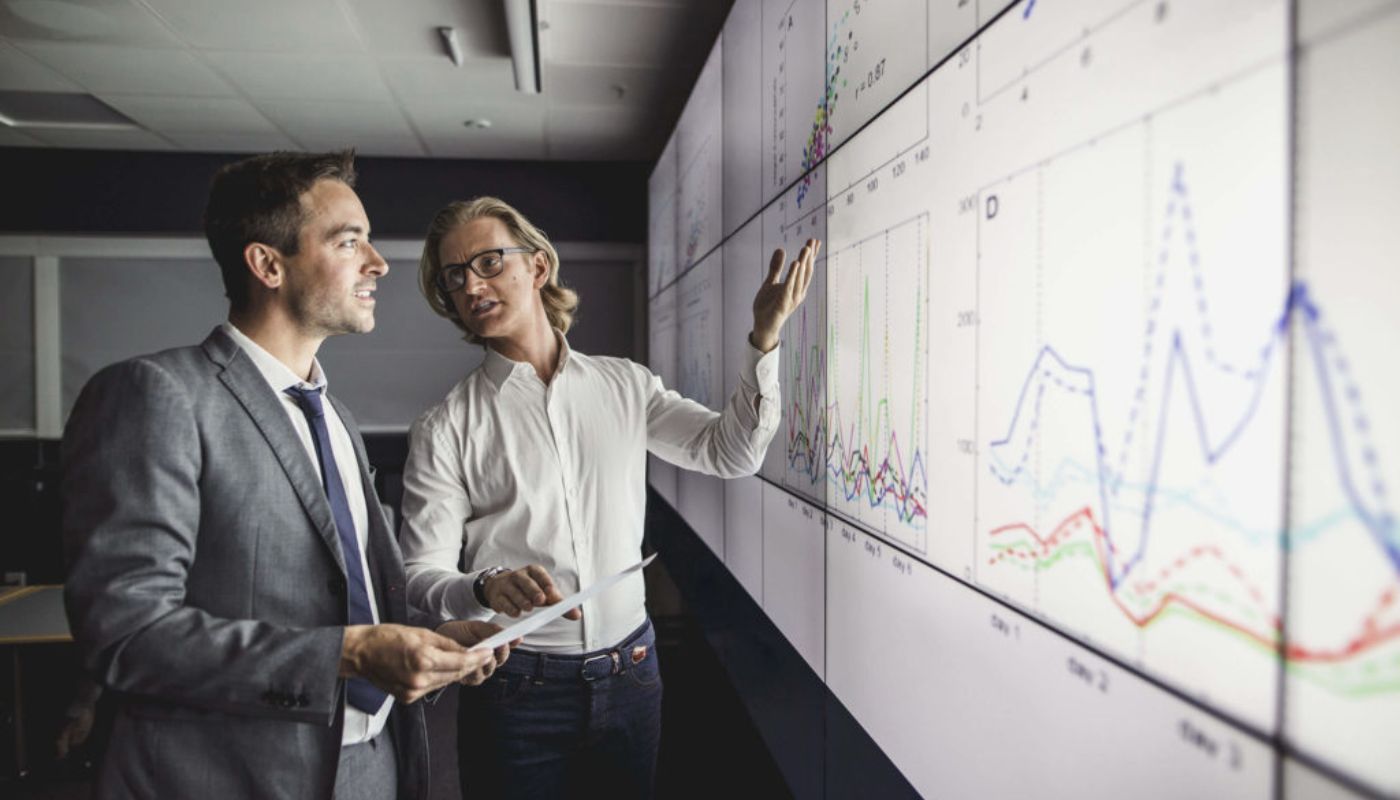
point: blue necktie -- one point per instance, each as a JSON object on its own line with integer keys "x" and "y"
{"x": 363, "y": 694}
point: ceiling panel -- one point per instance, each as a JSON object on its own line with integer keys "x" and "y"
{"x": 303, "y": 119}
{"x": 678, "y": 3}
{"x": 283, "y": 76}
{"x": 583, "y": 133}
{"x": 104, "y": 140}
{"x": 365, "y": 144}
{"x": 130, "y": 70}
{"x": 449, "y": 112}
{"x": 109, "y": 21}
{"x": 191, "y": 114}
{"x": 607, "y": 33}
{"x": 261, "y": 25}
{"x": 390, "y": 31}
{"x": 245, "y": 142}
{"x": 438, "y": 76}
{"x": 250, "y": 75}
{"x": 489, "y": 144}
{"x": 582, "y": 84}
{"x": 517, "y": 128}
{"x": 19, "y": 71}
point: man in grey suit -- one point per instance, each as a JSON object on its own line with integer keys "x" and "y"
{"x": 233, "y": 581}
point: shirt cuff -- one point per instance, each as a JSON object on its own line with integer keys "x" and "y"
{"x": 760, "y": 372}
{"x": 464, "y": 604}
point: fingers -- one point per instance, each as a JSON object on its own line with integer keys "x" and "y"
{"x": 800, "y": 275}
{"x": 483, "y": 665}
{"x": 539, "y": 576}
{"x": 468, "y": 632}
{"x": 775, "y": 265}
{"x": 514, "y": 593}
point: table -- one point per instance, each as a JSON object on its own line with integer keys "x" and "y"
{"x": 29, "y": 615}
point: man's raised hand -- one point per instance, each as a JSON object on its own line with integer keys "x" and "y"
{"x": 779, "y": 296}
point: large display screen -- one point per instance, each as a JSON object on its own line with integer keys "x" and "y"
{"x": 1087, "y": 430}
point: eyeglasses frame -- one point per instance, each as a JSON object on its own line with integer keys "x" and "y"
{"x": 470, "y": 264}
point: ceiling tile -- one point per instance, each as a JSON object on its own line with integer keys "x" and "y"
{"x": 304, "y": 120}
{"x": 232, "y": 142}
{"x": 593, "y": 133}
{"x": 191, "y": 114}
{"x": 100, "y": 140}
{"x": 366, "y": 145}
{"x": 129, "y": 70}
{"x": 517, "y": 129}
{"x": 390, "y": 30}
{"x": 489, "y": 144}
{"x": 584, "y": 84}
{"x": 449, "y": 112}
{"x": 261, "y": 25}
{"x": 19, "y": 71}
{"x": 433, "y": 76}
{"x": 679, "y": 3}
{"x": 276, "y": 76}
{"x": 605, "y": 33}
{"x": 111, "y": 21}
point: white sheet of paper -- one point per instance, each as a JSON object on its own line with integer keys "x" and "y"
{"x": 535, "y": 620}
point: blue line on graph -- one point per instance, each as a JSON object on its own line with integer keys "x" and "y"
{"x": 1030, "y": 4}
{"x": 1051, "y": 369}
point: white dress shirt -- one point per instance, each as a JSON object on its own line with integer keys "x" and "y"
{"x": 359, "y": 726}
{"x": 509, "y": 472}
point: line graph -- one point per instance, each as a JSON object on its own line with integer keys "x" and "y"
{"x": 877, "y": 412}
{"x": 1131, "y": 488}
{"x": 798, "y": 461}
{"x": 1343, "y": 677}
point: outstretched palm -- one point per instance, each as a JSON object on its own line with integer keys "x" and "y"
{"x": 779, "y": 296}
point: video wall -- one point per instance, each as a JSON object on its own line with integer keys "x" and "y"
{"x": 1082, "y": 482}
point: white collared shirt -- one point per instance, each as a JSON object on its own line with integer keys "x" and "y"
{"x": 359, "y": 726}
{"x": 508, "y": 471}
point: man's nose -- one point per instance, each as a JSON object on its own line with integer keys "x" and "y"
{"x": 475, "y": 283}
{"x": 375, "y": 262}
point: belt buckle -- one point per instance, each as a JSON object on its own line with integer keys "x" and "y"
{"x": 611, "y": 657}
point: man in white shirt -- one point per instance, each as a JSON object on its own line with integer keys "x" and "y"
{"x": 233, "y": 581}
{"x": 533, "y": 471}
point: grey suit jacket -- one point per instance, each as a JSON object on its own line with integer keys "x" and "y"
{"x": 206, "y": 585}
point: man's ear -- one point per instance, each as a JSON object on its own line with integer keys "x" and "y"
{"x": 265, "y": 264}
{"x": 539, "y": 262}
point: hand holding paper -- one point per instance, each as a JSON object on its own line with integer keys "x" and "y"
{"x": 519, "y": 591}
{"x": 535, "y": 621}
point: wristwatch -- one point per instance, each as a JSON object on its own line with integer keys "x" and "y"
{"x": 479, "y": 585}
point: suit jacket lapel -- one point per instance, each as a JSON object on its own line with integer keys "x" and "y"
{"x": 242, "y": 378}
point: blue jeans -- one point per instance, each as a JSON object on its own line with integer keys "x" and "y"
{"x": 547, "y": 726}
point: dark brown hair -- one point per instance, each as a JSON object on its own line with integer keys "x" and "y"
{"x": 258, "y": 199}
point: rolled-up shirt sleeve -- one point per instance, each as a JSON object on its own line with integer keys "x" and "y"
{"x": 728, "y": 444}
{"x": 436, "y": 506}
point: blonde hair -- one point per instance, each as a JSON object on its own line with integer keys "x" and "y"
{"x": 559, "y": 302}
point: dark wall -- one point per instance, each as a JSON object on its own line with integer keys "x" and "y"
{"x": 818, "y": 746}
{"x": 104, "y": 192}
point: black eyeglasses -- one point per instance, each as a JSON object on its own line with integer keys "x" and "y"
{"x": 486, "y": 264}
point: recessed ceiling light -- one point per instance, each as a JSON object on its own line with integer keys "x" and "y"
{"x": 478, "y": 123}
